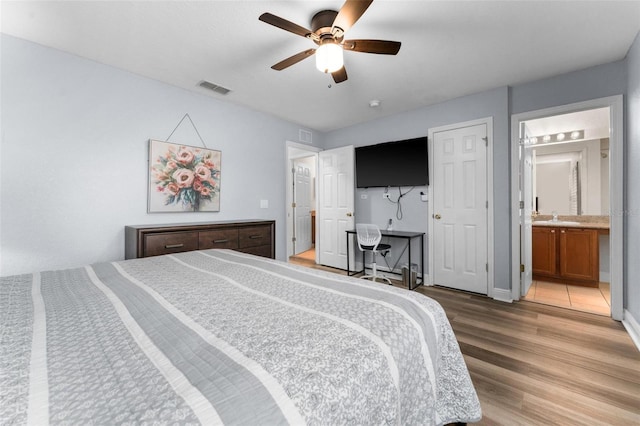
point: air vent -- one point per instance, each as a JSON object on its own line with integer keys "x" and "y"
{"x": 211, "y": 86}
{"x": 305, "y": 136}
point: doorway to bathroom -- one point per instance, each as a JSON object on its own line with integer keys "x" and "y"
{"x": 301, "y": 201}
{"x": 567, "y": 193}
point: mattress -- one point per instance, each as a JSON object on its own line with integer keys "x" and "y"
{"x": 222, "y": 337}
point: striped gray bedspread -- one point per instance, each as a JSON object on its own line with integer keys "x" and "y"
{"x": 220, "y": 337}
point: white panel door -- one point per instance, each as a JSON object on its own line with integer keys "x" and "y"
{"x": 527, "y": 194}
{"x": 335, "y": 205}
{"x": 460, "y": 208}
{"x": 302, "y": 209}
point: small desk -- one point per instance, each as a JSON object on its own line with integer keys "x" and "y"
{"x": 405, "y": 235}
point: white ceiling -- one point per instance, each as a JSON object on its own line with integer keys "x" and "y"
{"x": 449, "y": 48}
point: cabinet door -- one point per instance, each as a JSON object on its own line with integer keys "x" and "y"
{"x": 544, "y": 251}
{"x": 579, "y": 258}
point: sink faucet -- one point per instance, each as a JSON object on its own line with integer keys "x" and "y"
{"x": 555, "y": 216}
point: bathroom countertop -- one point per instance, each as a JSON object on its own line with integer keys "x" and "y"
{"x": 591, "y": 225}
{"x": 583, "y": 221}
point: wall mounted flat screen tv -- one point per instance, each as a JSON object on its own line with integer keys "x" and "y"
{"x": 400, "y": 163}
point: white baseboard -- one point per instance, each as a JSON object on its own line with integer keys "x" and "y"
{"x": 633, "y": 327}
{"x": 502, "y": 295}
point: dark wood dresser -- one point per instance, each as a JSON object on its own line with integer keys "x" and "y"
{"x": 249, "y": 236}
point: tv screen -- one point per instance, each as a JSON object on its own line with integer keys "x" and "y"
{"x": 401, "y": 163}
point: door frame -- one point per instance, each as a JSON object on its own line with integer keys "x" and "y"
{"x": 295, "y": 150}
{"x": 488, "y": 121}
{"x": 616, "y": 192}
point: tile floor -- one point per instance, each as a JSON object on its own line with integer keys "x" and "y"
{"x": 586, "y": 299}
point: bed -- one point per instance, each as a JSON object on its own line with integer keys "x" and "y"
{"x": 222, "y": 337}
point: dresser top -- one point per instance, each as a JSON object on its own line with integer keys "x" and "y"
{"x": 203, "y": 224}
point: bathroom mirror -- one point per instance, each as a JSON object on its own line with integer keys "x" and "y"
{"x": 571, "y": 178}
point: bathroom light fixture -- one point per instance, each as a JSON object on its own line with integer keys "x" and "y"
{"x": 329, "y": 57}
{"x": 558, "y": 137}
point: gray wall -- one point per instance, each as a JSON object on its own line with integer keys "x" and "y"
{"x": 74, "y": 155}
{"x": 591, "y": 83}
{"x": 632, "y": 196}
{"x": 493, "y": 103}
{"x": 596, "y": 82}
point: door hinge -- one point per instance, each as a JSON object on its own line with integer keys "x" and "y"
{"x": 522, "y": 204}
{"x": 521, "y": 267}
{"x": 486, "y": 267}
{"x": 293, "y": 205}
{"x": 293, "y": 239}
{"x": 486, "y": 204}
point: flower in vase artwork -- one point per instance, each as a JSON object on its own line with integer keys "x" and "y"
{"x": 183, "y": 178}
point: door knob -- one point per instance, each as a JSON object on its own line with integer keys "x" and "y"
{"x": 349, "y": 214}
{"x": 437, "y": 216}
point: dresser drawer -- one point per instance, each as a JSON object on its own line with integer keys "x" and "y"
{"x": 170, "y": 242}
{"x": 264, "y": 251}
{"x": 253, "y": 236}
{"x": 221, "y": 238}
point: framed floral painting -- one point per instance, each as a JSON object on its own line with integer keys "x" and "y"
{"x": 183, "y": 178}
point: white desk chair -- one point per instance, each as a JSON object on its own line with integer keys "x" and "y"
{"x": 369, "y": 237}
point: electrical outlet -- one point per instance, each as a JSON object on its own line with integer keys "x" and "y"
{"x": 386, "y": 195}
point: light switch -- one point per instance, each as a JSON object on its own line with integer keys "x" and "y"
{"x": 264, "y": 204}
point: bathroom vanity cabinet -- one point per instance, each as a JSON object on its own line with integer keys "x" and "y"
{"x": 566, "y": 254}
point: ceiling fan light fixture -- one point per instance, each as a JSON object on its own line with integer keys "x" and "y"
{"x": 329, "y": 57}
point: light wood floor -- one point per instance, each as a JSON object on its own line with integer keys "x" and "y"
{"x": 596, "y": 300}
{"x": 534, "y": 364}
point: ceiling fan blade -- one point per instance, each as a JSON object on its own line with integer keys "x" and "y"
{"x": 382, "y": 47}
{"x": 350, "y": 12}
{"x": 340, "y": 75}
{"x": 279, "y": 22}
{"x": 293, "y": 59}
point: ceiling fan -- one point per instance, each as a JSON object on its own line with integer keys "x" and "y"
{"x": 327, "y": 31}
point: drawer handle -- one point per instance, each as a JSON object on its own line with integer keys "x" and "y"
{"x": 220, "y": 241}
{"x": 255, "y": 237}
{"x": 170, "y": 246}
